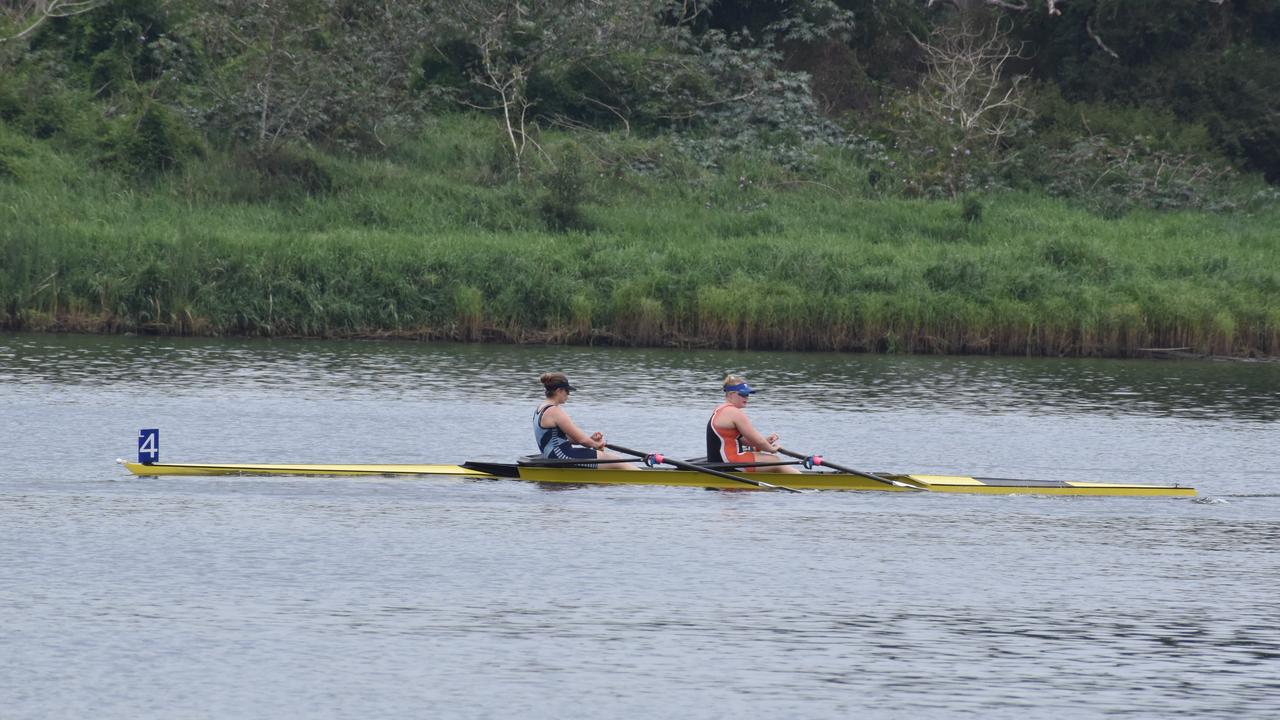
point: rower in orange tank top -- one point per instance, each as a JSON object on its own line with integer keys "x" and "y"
{"x": 731, "y": 438}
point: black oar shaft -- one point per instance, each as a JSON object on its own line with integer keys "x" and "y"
{"x": 698, "y": 468}
{"x": 849, "y": 470}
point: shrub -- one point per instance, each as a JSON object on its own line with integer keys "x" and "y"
{"x": 565, "y": 185}
{"x": 49, "y": 113}
{"x": 107, "y": 72}
{"x": 10, "y": 104}
{"x": 15, "y": 149}
{"x": 155, "y": 142}
{"x": 1060, "y": 122}
{"x": 286, "y": 171}
{"x": 1110, "y": 177}
{"x": 1075, "y": 255}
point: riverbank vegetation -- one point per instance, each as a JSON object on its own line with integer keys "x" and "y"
{"x": 496, "y": 187}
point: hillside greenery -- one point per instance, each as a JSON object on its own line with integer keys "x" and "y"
{"x": 803, "y": 175}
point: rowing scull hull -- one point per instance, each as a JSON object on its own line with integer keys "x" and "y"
{"x": 828, "y": 481}
{"x": 677, "y": 478}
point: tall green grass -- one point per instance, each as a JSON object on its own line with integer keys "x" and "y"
{"x": 432, "y": 240}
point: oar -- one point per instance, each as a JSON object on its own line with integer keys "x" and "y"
{"x": 543, "y": 462}
{"x": 698, "y": 468}
{"x": 819, "y": 460}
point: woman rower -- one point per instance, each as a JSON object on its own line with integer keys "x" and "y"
{"x": 731, "y": 438}
{"x": 555, "y": 432}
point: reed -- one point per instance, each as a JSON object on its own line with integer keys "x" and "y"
{"x": 427, "y": 242}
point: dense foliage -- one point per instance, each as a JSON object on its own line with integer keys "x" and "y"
{"x": 1106, "y": 93}
{"x": 327, "y": 121}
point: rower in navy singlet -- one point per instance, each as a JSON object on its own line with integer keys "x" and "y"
{"x": 731, "y": 438}
{"x": 557, "y": 437}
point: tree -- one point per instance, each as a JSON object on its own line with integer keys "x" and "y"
{"x": 514, "y": 39}
{"x": 309, "y": 69}
{"x": 965, "y": 84}
{"x": 958, "y": 124}
{"x": 31, "y": 14}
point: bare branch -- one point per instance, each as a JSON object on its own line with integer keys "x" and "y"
{"x": 1051, "y": 6}
{"x": 1088, "y": 27}
{"x": 611, "y": 109}
{"x": 1020, "y": 6}
{"x": 967, "y": 92}
{"x": 965, "y": 83}
{"x": 46, "y": 9}
{"x": 516, "y": 39}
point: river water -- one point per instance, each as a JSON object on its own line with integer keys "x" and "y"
{"x": 125, "y": 597}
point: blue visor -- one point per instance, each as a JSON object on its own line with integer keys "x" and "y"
{"x": 742, "y": 389}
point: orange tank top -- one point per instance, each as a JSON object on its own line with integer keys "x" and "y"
{"x": 725, "y": 444}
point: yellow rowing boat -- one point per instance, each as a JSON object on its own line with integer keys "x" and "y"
{"x": 819, "y": 480}
{"x": 809, "y": 480}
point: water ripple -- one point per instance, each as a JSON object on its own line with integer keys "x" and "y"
{"x": 375, "y": 597}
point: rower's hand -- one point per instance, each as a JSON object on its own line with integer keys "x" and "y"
{"x": 598, "y": 438}
{"x": 773, "y": 439}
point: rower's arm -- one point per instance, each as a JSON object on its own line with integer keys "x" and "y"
{"x": 574, "y": 432}
{"x": 753, "y": 436}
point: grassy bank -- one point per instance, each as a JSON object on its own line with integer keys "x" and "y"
{"x": 432, "y": 240}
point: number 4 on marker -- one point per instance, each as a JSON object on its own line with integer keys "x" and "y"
{"x": 149, "y": 445}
